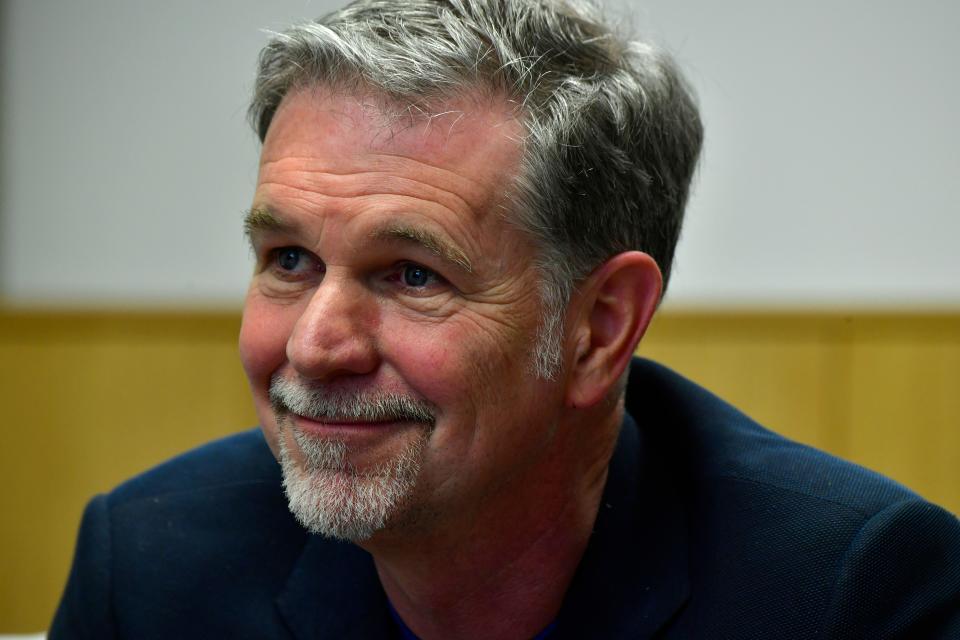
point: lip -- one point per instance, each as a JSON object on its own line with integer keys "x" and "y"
{"x": 343, "y": 429}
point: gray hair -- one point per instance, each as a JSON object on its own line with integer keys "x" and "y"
{"x": 612, "y": 131}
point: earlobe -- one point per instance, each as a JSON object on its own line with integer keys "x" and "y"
{"x": 619, "y": 299}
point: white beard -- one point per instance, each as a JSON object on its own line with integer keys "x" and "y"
{"x": 329, "y": 497}
{"x": 325, "y": 492}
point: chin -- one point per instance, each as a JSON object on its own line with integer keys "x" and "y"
{"x": 329, "y": 496}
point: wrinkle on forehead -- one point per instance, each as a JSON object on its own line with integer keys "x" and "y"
{"x": 452, "y": 146}
{"x": 318, "y": 176}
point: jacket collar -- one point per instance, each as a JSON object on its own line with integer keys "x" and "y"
{"x": 334, "y": 592}
{"x": 634, "y": 575}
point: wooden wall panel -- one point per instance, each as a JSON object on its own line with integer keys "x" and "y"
{"x": 92, "y": 398}
{"x": 882, "y": 390}
{"x": 905, "y": 413}
{"x": 778, "y": 376}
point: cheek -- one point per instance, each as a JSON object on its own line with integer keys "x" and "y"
{"x": 426, "y": 360}
{"x": 263, "y": 343}
{"x": 455, "y": 365}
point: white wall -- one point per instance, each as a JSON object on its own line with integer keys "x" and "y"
{"x": 832, "y": 163}
{"x": 831, "y": 172}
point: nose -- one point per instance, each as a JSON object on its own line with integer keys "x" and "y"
{"x": 334, "y": 337}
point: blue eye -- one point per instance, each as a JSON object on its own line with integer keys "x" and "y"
{"x": 416, "y": 276}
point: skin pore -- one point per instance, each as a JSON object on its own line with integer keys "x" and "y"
{"x": 385, "y": 266}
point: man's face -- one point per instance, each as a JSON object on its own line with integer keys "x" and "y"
{"x": 394, "y": 313}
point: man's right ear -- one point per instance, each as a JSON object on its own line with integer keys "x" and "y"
{"x": 615, "y": 306}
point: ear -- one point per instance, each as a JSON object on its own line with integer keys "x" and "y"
{"x": 616, "y": 303}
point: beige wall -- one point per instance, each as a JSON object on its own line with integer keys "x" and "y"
{"x": 91, "y": 399}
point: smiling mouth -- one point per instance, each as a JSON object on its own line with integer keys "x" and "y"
{"x": 356, "y": 435}
{"x": 347, "y": 423}
{"x": 340, "y": 423}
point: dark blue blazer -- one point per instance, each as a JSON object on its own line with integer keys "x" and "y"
{"x": 710, "y": 527}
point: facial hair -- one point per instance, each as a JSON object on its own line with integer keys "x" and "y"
{"x": 327, "y": 494}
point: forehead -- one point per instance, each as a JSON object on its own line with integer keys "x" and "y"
{"x": 473, "y": 141}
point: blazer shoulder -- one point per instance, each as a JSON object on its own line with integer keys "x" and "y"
{"x": 715, "y": 440}
{"x": 242, "y": 458}
{"x": 198, "y": 546}
{"x": 900, "y": 576}
{"x": 836, "y": 550}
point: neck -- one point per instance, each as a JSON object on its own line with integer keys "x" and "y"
{"x": 503, "y": 575}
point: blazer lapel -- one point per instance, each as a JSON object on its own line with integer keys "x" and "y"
{"x": 334, "y": 592}
{"x": 634, "y": 575}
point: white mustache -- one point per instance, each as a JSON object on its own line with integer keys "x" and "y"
{"x": 321, "y": 404}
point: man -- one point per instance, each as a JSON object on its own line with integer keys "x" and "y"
{"x": 464, "y": 219}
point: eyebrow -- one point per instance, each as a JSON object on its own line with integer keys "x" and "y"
{"x": 260, "y": 219}
{"x": 426, "y": 239}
